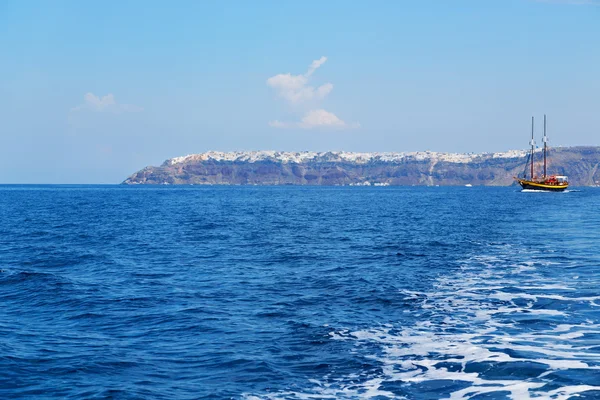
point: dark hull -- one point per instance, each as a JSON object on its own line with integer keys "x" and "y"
{"x": 541, "y": 187}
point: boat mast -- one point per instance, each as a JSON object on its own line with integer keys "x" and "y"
{"x": 532, "y": 143}
{"x": 545, "y": 146}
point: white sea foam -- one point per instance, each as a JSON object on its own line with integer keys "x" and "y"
{"x": 470, "y": 323}
{"x": 546, "y": 191}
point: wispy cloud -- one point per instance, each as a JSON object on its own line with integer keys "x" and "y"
{"x": 107, "y": 103}
{"x": 315, "y": 64}
{"x": 295, "y": 89}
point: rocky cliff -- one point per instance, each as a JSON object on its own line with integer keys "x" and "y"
{"x": 344, "y": 168}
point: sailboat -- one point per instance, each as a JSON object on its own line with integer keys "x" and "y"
{"x": 549, "y": 183}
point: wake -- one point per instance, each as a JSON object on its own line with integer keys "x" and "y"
{"x": 499, "y": 326}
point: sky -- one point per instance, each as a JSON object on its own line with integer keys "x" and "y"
{"x": 91, "y": 92}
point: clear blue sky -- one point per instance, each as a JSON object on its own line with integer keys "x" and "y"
{"x": 93, "y": 91}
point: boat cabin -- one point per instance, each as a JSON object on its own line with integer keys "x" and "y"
{"x": 557, "y": 180}
{"x": 562, "y": 179}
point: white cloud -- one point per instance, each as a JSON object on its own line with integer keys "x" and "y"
{"x": 295, "y": 88}
{"x": 107, "y": 103}
{"x": 315, "y": 119}
{"x": 315, "y": 64}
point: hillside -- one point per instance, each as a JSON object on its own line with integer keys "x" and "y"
{"x": 345, "y": 168}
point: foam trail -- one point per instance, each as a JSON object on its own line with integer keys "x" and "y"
{"x": 474, "y": 329}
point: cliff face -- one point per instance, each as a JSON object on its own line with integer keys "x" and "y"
{"x": 342, "y": 168}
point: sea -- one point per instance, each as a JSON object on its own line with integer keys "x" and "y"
{"x": 248, "y": 292}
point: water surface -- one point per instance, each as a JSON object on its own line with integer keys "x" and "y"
{"x": 298, "y": 292}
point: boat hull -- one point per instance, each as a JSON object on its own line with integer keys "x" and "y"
{"x": 531, "y": 185}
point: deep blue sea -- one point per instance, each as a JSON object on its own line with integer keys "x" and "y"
{"x": 116, "y": 292}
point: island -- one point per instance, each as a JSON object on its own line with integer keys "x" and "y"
{"x": 340, "y": 168}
